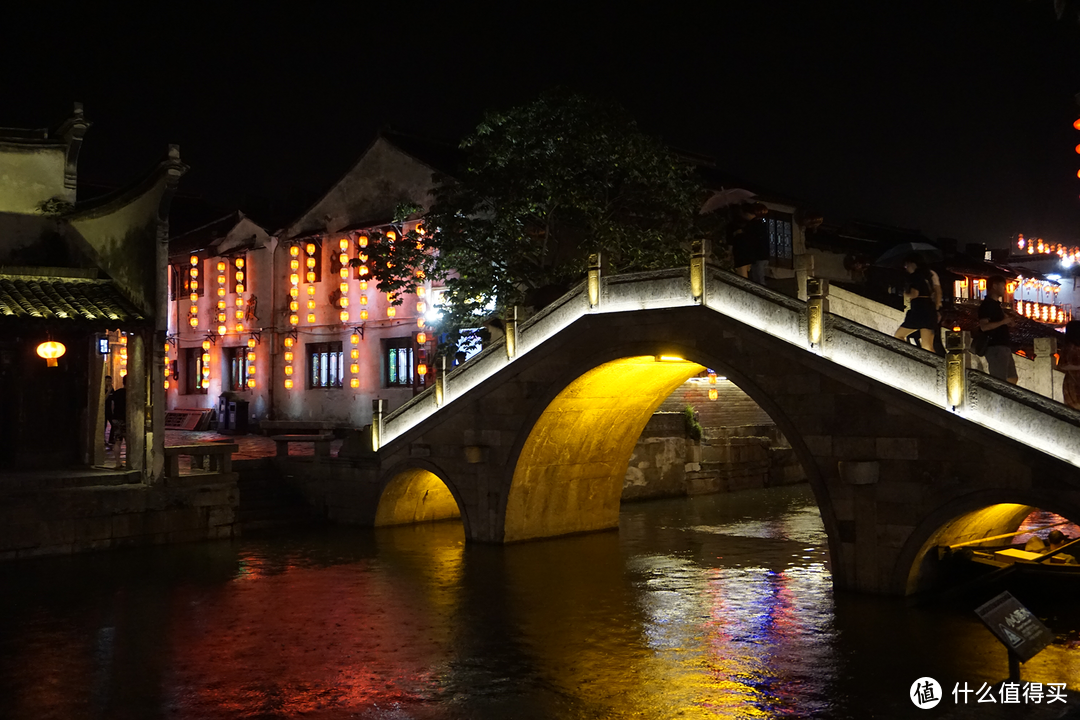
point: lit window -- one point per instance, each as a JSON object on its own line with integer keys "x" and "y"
{"x": 324, "y": 365}
{"x": 238, "y": 367}
{"x": 779, "y": 228}
{"x": 193, "y": 371}
{"x": 398, "y": 362}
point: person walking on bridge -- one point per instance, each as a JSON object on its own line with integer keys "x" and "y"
{"x": 924, "y": 293}
{"x": 996, "y": 323}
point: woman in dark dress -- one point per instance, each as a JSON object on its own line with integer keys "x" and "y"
{"x": 924, "y": 293}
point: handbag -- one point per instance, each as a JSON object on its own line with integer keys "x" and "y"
{"x": 979, "y": 341}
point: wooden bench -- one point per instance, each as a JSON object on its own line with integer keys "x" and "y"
{"x": 210, "y": 457}
{"x": 321, "y": 441}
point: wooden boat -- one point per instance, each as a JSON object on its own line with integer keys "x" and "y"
{"x": 1057, "y": 563}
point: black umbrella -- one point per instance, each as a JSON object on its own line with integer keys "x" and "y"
{"x": 898, "y": 255}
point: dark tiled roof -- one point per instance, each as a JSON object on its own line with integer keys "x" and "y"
{"x": 45, "y": 298}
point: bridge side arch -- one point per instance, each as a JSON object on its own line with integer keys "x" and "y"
{"x": 984, "y": 513}
{"x": 417, "y": 491}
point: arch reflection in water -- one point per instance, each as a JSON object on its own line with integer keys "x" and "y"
{"x": 736, "y": 620}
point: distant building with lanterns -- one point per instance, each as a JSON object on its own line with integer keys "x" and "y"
{"x": 286, "y": 327}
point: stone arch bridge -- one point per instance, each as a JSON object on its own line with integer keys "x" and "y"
{"x": 904, "y": 450}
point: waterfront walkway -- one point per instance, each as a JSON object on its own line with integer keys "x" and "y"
{"x": 252, "y": 447}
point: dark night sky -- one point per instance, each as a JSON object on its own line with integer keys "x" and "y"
{"x": 954, "y": 116}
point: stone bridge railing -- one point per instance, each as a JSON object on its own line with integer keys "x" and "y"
{"x": 1019, "y": 414}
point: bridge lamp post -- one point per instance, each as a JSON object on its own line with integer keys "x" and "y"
{"x": 817, "y": 304}
{"x": 955, "y": 376}
{"x": 594, "y": 280}
{"x": 697, "y": 270}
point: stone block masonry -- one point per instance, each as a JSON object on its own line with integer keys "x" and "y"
{"x": 77, "y": 519}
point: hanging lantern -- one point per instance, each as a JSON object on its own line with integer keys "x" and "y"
{"x": 50, "y": 350}
{"x": 421, "y": 338}
{"x": 421, "y": 369}
{"x": 294, "y": 250}
{"x": 294, "y": 292}
{"x": 310, "y": 276}
{"x": 294, "y": 306}
{"x": 344, "y": 315}
{"x": 310, "y": 304}
{"x": 311, "y": 291}
{"x": 288, "y": 370}
{"x": 288, "y": 383}
{"x": 288, "y": 356}
{"x": 712, "y": 378}
{"x": 166, "y": 384}
{"x": 343, "y": 258}
{"x": 344, "y": 288}
{"x": 289, "y": 342}
{"x": 251, "y": 382}
{"x": 363, "y": 314}
{"x": 310, "y": 248}
{"x": 194, "y": 285}
{"x": 194, "y": 272}
{"x": 193, "y": 321}
{"x": 354, "y": 354}
{"x": 712, "y": 393}
{"x": 343, "y": 302}
{"x": 294, "y": 279}
{"x": 420, "y": 291}
{"x": 311, "y": 317}
{"x": 363, "y": 283}
{"x": 391, "y": 235}
{"x": 391, "y": 312}
{"x": 343, "y": 273}
{"x": 221, "y": 266}
{"x": 194, "y": 297}
{"x": 221, "y": 292}
{"x": 239, "y": 327}
{"x": 362, "y": 241}
{"x": 205, "y": 345}
{"x": 421, "y": 307}
{"x": 311, "y": 263}
{"x": 294, "y": 319}
{"x": 354, "y": 339}
{"x": 354, "y": 383}
{"x": 354, "y": 368}
{"x": 194, "y": 260}
{"x": 251, "y": 341}
{"x": 221, "y": 329}
{"x": 363, "y": 300}
{"x": 420, "y": 322}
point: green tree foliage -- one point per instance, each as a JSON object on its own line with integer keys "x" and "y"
{"x": 544, "y": 185}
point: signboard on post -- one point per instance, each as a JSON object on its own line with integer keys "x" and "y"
{"x": 1015, "y": 626}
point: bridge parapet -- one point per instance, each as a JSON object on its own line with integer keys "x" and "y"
{"x": 1016, "y": 413}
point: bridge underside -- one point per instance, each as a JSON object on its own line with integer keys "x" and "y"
{"x": 569, "y": 475}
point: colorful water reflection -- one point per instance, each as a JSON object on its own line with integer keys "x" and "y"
{"x": 717, "y": 607}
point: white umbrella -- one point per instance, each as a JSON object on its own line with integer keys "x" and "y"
{"x": 725, "y": 197}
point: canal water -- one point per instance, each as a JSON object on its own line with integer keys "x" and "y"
{"x": 718, "y": 606}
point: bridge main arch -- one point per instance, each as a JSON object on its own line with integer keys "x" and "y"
{"x": 568, "y": 469}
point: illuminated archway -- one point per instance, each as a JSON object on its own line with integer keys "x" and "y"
{"x": 416, "y": 495}
{"x": 569, "y": 474}
{"x": 988, "y": 522}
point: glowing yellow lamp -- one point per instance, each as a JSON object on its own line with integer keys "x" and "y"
{"x": 51, "y": 350}
{"x": 294, "y": 250}
{"x": 288, "y": 383}
{"x": 354, "y": 383}
{"x": 421, "y": 338}
{"x": 251, "y": 382}
{"x": 354, "y": 339}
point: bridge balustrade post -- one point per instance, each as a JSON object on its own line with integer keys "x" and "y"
{"x": 1045, "y": 348}
{"x": 511, "y": 332}
{"x": 594, "y": 280}
{"x": 817, "y": 291}
{"x": 955, "y": 372}
{"x": 440, "y": 381}
{"x": 697, "y": 270}
{"x": 378, "y": 407}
